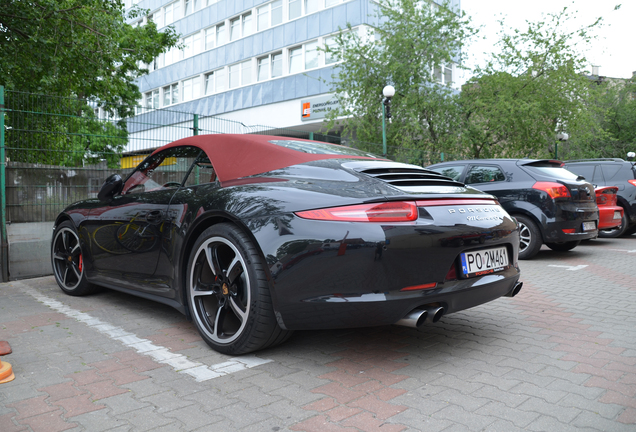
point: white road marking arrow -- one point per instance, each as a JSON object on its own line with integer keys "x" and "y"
{"x": 570, "y": 268}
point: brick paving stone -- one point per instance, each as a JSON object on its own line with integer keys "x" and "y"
{"x": 78, "y": 405}
{"x": 48, "y": 422}
{"x": 146, "y": 419}
{"x": 192, "y": 418}
{"x": 7, "y": 424}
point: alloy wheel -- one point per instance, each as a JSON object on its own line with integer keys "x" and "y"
{"x": 67, "y": 258}
{"x": 220, "y": 290}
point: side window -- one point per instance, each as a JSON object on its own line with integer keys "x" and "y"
{"x": 586, "y": 171}
{"x": 202, "y": 172}
{"x": 164, "y": 170}
{"x": 484, "y": 174}
{"x": 454, "y": 172}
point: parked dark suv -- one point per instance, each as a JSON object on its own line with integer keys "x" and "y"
{"x": 612, "y": 172}
{"x": 551, "y": 204}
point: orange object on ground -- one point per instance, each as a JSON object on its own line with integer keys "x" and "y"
{"x": 6, "y": 371}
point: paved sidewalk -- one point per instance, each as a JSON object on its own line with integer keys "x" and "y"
{"x": 560, "y": 356}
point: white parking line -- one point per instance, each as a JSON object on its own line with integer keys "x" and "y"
{"x": 623, "y": 250}
{"x": 569, "y": 268}
{"x": 178, "y": 362}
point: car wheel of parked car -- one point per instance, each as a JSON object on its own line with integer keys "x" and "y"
{"x": 529, "y": 238}
{"x": 563, "y": 247}
{"x": 618, "y": 231}
{"x": 228, "y": 293}
{"x": 68, "y": 262}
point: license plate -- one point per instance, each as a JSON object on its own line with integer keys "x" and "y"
{"x": 617, "y": 215}
{"x": 589, "y": 226}
{"x": 482, "y": 262}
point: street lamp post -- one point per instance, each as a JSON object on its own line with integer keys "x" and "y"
{"x": 561, "y": 136}
{"x": 387, "y": 92}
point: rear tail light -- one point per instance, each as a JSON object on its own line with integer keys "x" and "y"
{"x": 452, "y": 274}
{"x": 632, "y": 182}
{"x": 569, "y": 230}
{"x": 607, "y": 196}
{"x": 382, "y": 212}
{"x": 555, "y": 190}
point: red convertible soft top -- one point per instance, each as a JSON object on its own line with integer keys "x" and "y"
{"x": 234, "y": 156}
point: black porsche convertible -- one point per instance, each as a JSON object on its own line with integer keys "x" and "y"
{"x": 255, "y": 236}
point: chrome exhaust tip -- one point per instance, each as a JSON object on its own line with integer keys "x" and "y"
{"x": 413, "y": 319}
{"x": 515, "y": 290}
{"x": 434, "y": 314}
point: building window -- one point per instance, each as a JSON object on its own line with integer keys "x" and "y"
{"x": 270, "y": 66}
{"x": 269, "y": 15}
{"x": 294, "y": 9}
{"x": 171, "y": 94}
{"x": 188, "y": 7}
{"x": 312, "y": 6}
{"x": 235, "y": 75}
{"x": 262, "y": 17}
{"x": 263, "y": 68}
{"x": 172, "y": 12}
{"x": 152, "y": 99}
{"x": 295, "y": 60}
{"x": 209, "y": 37}
{"x": 241, "y": 26}
{"x": 220, "y": 34}
{"x": 247, "y": 24}
{"x": 219, "y": 80}
{"x": 157, "y": 18}
{"x": 329, "y": 3}
{"x": 235, "y": 29}
{"x": 246, "y": 72}
{"x": 192, "y": 45}
{"x": 277, "y": 64}
{"x": 209, "y": 83}
{"x": 311, "y": 55}
{"x": 331, "y": 43}
{"x": 191, "y": 88}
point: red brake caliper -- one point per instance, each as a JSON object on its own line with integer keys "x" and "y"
{"x": 81, "y": 263}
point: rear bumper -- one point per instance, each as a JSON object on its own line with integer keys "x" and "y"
{"x": 375, "y": 309}
{"x": 607, "y": 216}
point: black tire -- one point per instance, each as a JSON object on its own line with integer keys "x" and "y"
{"x": 618, "y": 231}
{"x": 68, "y": 263}
{"x": 563, "y": 247}
{"x": 228, "y": 293}
{"x": 530, "y": 240}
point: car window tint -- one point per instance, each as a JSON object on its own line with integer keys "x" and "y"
{"x": 586, "y": 171}
{"x": 557, "y": 173}
{"x": 484, "y": 174}
{"x": 202, "y": 172}
{"x": 610, "y": 170}
{"x": 454, "y": 172}
{"x": 163, "y": 170}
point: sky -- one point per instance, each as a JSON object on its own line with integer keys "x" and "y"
{"x": 614, "y": 51}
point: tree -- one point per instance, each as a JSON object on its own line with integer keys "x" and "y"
{"x": 534, "y": 87}
{"x": 82, "y": 48}
{"x": 81, "y": 54}
{"x": 412, "y": 40}
{"x": 614, "y": 104}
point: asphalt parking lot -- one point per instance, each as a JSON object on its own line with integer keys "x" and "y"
{"x": 560, "y": 356}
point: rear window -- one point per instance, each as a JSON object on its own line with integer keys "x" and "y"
{"x": 557, "y": 173}
{"x": 454, "y": 172}
{"x": 322, "y": 148}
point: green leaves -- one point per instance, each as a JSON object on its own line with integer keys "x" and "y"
{"x": 410, "y": 40}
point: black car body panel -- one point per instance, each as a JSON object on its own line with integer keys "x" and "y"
{"x": 321, "y": 273}
{"x": 512, "y": 183}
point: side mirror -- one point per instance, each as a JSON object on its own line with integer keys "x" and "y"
{"x": 111, "y": 187}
